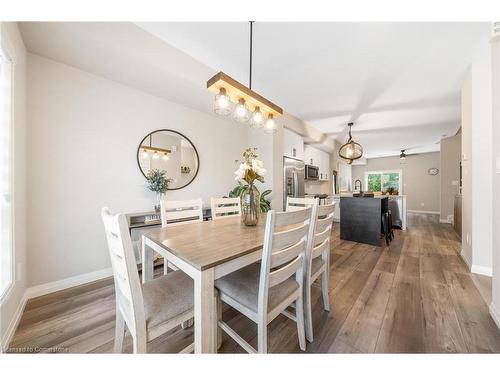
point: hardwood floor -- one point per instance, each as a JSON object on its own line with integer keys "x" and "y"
{"x": 415, "y": 296}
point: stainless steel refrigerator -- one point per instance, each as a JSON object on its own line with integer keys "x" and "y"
{"x": 293, "y": 178}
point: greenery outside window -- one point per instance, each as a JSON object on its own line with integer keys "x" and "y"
{"x": 383, "y": 181}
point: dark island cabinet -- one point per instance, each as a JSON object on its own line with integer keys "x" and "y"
{"x": 361, "y": 219}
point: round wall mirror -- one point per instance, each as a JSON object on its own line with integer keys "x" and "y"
{"x": 172, "y": 152}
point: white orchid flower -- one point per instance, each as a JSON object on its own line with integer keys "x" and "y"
{"x": 240, "y": 172}
{"x": 258, "y": 167}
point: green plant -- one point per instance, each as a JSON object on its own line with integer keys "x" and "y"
{"x": 236, "y": 192}
{"x": 265, "y": 204}
{"x": 158, "y": 181}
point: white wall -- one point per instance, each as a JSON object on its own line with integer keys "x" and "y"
{"x": 83, "y": 135}
{"x": 450, "y": 151}
{"x": 467, "y": 168}
{"x": 495, "y": 304}
{"x": 477, "y": 191}
{"x": 9, "y": 309}
{"x": 422, "y": 190}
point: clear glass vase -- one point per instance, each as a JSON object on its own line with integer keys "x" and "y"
{"x": 159, "y": 197}
{"x": 250, "y": 205}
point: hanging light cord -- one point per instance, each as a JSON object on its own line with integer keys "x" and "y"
{"x": 251, "y": 48}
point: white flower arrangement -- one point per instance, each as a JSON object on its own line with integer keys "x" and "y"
{"x": 251, "y": 168}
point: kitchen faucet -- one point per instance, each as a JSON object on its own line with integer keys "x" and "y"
{"x": 360, "y": 185}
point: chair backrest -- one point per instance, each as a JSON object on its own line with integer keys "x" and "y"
{"x": 225, "y": 207}
{"x": 181, "y": 212}
{"x": 129, "y": 299}
{"x": 319, "y": 235}
{"x": 285, "y": 244}
{"x": 294, "y": 204}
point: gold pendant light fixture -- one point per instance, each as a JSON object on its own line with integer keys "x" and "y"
{"x": 155, "y": 151}
{"x": 351, "y": 150}
{"x": 245, "y": 105}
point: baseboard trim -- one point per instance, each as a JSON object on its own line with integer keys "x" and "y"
{"x": 444, "y": 221}
{"x": 495, "y": 314}
{"x": 467, "y": 261}
{"x": 47, "y": 288}
{"x": 11, "y": 329}
{"x": 424, "y": 212}
{"x": 486, "y": 271}
{"x": 70, "y": 282}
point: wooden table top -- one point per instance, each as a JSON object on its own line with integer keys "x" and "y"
{"x": 210, "y": 243}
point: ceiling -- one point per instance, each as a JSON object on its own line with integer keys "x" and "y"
{"x": 398, "y": 82}
{"x": 124, "y": 53}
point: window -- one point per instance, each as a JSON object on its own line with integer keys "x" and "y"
{"x": 383, "y": 181}
{"x": 6, "y": 249}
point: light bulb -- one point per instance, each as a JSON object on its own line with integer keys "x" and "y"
{"x": 241, "y": 113}
{"x": 165, "y": 156}
{"x": 144, "y": 154}
{"x": 155, "y": 155}
{"x": 270, "y": 124}
{"x": 222, "y": 103}
{"x": 350, "y": 151}
{"x": 257, "y": 118}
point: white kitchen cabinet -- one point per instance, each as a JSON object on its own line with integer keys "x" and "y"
{"x": 325, "y": 166}
{"x": 320, "y": 159}
{"x": 293, "y": 145}
{"x": 309, "y": 155}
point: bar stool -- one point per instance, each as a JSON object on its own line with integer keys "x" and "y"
{"x": 385, "y": 227}
{"x": 391, "y": 231}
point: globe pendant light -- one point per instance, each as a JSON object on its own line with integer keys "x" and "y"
{"x": 351, "y": 150}
{"x": 241, "y": 113}
{"x": 270, "y": 126}
{"x": 257, "y": 119}
{"x": 222, "y": 105}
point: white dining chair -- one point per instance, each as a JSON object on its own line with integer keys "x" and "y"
{"x": 223, "y": 208}
{"x": 318, "y": 261}
{"x": 263, "y": 291}
{"x": 179, "y": 213}
{"x": 294, "y": 204}
{"x": 148, "y": 310}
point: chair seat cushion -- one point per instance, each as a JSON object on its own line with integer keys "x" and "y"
{"x": 317, "y": 263}
{"x": 167, "y": 297}
{"x": 243, "y": 287}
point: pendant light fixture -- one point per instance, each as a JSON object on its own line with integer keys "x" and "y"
{"x": 145, "y": 150}
{"x": 245, "y": 104}
{"x": 351, "y": 150}
{"x": 402, "y": 156}
{"x": 222, "y": 104}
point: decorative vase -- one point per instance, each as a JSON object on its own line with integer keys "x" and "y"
{"x": 158, "y": 200}
{"x": 250, "y": 206}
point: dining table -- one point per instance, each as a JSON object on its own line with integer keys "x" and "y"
{"x": 206, "y": 251}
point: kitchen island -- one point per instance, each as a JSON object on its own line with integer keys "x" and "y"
{"x": 362, "y": 219}
{"x": 397, "y": 204}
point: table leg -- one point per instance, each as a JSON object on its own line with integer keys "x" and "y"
{"x": 147, "y": 262}
{"x": 205, "y": 321}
